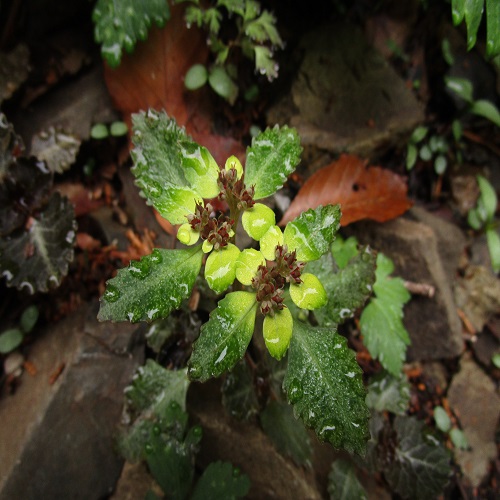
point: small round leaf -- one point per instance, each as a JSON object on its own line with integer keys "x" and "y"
{"x": 196, "y": 77}
{"x": 223, "y": 85}
{"x": 442, "y": 419}
{"x": 257, "y": 220}
{"x": 187, "y": 235}
{"x": 10, "y": 339}
{"x": 220, "y": 268}
{"x": 118, "y": 129}
{"x": 269, "y": 241}
{"x": 277, "y": 332}
{"x": 247, "y": 264}
{"x": 99, "y": 131}
{"x": 309, "y": 294}
{"x": 29, "y": 319}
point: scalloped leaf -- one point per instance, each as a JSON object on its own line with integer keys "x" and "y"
{"x": 388, "y": 393}
{"x": 36, "y": 259}
{"x": 324, "y": 384}
{"x": 289, "y": 438}
{"x": 152, "y": 287}
{"x": 312, "y": 232}
{"x": 343, "y": 483}
{"x": 381, "y": 322}
{"x": 119, "y": 25}
{"x": 221, "y": 480}
{"x": 271, "y": 158}
{"x": 347, "y": 289}
{"x": 158, "y": 168}
{"x": 225, "y": 337}
{"x": 57, "y": 148}
{"x": 421, "y": 464}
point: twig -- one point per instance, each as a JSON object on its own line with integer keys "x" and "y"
{"x": 420, "y": 289}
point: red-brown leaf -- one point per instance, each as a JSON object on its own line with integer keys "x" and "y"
{"x": 153, "y": 77}
{"x": 363, "y": 192}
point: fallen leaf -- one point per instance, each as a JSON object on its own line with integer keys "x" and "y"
{"x": 363, "y": 192}
{"x": 153, "y": 77}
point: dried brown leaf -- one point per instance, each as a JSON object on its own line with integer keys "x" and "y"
{"x": 363, "y": 192}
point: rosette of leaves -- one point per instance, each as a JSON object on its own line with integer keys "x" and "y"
{"x": 179, "y": 177}
{"x": 37, "y": 227}
{"x": 256, "y": 37}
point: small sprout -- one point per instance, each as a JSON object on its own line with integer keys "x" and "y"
{"x": 458, "y": 439}
{"x": 10, "y": 340}
{"x": 196, "y": 77}
{"x": 118, "y": 129}
{"x": 442, "y": 419}
{"x": 99, "y": 131}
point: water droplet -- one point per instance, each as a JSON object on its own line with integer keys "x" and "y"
{"x": 112, "y": 294}
{"x": 236, "y": 472}
{"x": 156, "y": 257}
{"x": 294, "y": 391}
{"x": 194, "y": 372}
{"x": 154, "y": 189}
{"x": 117, "y": 23}
{"x": 140, "y": 269}
{"x": 197, "y": 431}
{"x": 148, "y": 448}
{"x": 174, "y": 405}
{"x": 156, "y": 430}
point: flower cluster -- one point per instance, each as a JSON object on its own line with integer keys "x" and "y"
{"x": 267, "y": 270}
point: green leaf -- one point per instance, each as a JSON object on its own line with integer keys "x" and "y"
{"x": 457, "y": 11}
{"x": 119, "y": 25}
{"x": 196, "y": 77}
{"x": 118, "y": 129}
{"x": 152, "y": 287}
{"x": 493, "y": 240}
{"x": 323, "y": 383}
{"x": 312, "y": 233}
{"x": 347, "y": 289}
{"x": 288, "y": 436}
{"x": 38, "y": 258}
{"x": 238, "y": 392}
{"x": 310, "y": 294}
{"x": 223, "y": 84}
{"x": 212, "y": 18}
{"x": 247, "y": 264}
{"x": 473, "y": 15}
{"x": 271, "y": 158}
{"x": 158, "y": 166}
{"x": 10, "y": 340}
{"x": 257, "y": 220}
{"x": 154, "y": 387}
{"x": 99, "y": 131}
{"x": 277, "y": 331}
{"x": 440, "y": 164}
{"x": 236, "y": 6}
{"x": 411, "y": 156}
{"x": 461, "y": 86}
{"x": 221, "y": 480}
{"x": 458, "y": 439}
{"x": 388, "y": 393}
{"x": 421, "y": 466}
{"x": 220, "y": 268}
{"x": 425, "y": 152}
{"x": 418, "y": 134}
{"x": 487, "y": 110}
{"x": 29, "y": 318}
{"x": 344, "y": 250}
{"x": 264, "y": 62}
{"x": 343, "y": 483}
{"x": 263, "y": 29}
{"x": 492, "y": 28}
{"x": 225, "y": 337}
{"x": 381, "y": 322}
{"x": 495, "y": 359}
{"x": 443, "y": 421}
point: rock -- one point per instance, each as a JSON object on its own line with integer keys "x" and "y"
{"x": 485, "y": 347}
{"x": 57, "y": 432}
{"x": 478, "y": 295}
{"x": 473, "y": 397}
{"x": 433, "y": 323}
{"x": 134, "y": 483}
{"x": 247, "y": 447}
{"x": 346, "y": 98}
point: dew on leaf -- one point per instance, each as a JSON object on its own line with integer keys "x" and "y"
{"x": 294, "y": 391}
{"x": 156, "y": 430}
{"x": 148, "y": 448}
{"x": 140, "y": 269}
{"x": 154, "y": 189}
{"x": 236, "y": 472}
{"x": 197, "y": 431}
{"x": 156, "y": 257}
{"x": 112, "y": 294}
{"x": 174, "y": 405}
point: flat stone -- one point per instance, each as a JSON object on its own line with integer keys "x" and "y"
{"x": 433, "y": 323}
{"x": 247, "y": 447}
{"x": 473, "y": 396}
{"x": 345, "y": 97}
{"x": 58, "y": 438}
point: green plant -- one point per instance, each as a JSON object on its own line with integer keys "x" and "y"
{"x": 432, "y": 148}
{"x": 482, "y": 217}
{"x": 472, "y": 12}
{"x": 102, "y": 131}
{"x": 37, "y": 226}
{"x": 322, "y": 379}
{"x": 11, "y": 338}
{"x": 159, "y": 434}
{"x": 443, "y": 423}
{"x": 119, "y": 25}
